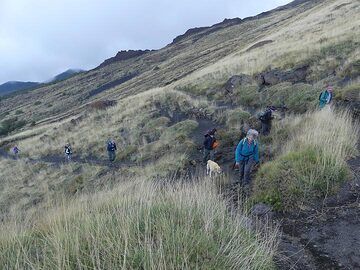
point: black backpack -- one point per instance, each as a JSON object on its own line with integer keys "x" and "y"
{"x": 266, "y": 116}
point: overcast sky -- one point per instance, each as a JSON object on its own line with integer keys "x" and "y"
{"x": 41, "y": 38}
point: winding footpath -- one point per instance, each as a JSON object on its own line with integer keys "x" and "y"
{"x": 60, "y": 160}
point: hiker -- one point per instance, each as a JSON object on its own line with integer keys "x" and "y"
{"x": 326, "y": 96}
{"x": 68, "y": 152}
{"x": 111, "y": 148}
{"x": 16, "y": 151}
{"x": 266, "y": 118}
{"x": 210, "y": 144}
{"x": 246, "y": 155}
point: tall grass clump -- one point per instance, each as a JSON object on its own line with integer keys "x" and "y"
{"x": 140, "y": 225}
{"x": 312, "y": 164}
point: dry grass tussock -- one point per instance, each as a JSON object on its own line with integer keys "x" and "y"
{"x": 139, "y": 225}
{"x": 333, "y": 133}
{"x": 312, "y": 163}
{"x": 28, "y": 187}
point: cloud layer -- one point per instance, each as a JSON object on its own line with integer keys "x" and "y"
{"x": 40, "y": 38}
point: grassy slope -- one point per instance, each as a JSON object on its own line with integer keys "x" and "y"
{"x": 145, "y": 122}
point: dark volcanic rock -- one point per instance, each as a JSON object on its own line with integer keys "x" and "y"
{"x": 276, "y": 76}
{"x": 199, "y": 32}
{"x": 238, "y": 80}
{"x": 124, "y": 55}
{"x": 262, "y": 210}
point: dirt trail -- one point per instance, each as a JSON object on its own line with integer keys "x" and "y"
{"x": 327, "y": 236}
{"x": 60, "y": 160}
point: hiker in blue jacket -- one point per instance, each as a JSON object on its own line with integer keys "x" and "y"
{"x": 246, "y": 155}
{"x": 326, "y": 96}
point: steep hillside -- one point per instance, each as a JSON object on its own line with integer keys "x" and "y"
{"x": 297, "y": 32}
{"x": 157, "y": 105}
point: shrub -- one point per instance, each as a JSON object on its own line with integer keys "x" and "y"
{"x": 299, "y": 98}
{"x": 19, "y": 112}
{"x": 9, "y": 125}
{"x": 37, "y": 103}
{"x": 248, "y": 96}
{"x": 298, "y": 177}
{"x": 312, "y": 164}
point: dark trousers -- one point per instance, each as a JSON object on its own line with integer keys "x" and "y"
{"x": 245, "y": 169}
{"x": 265, "y": 128}
{"x": 112, "y": 156}
{"x": 208, "y": 155}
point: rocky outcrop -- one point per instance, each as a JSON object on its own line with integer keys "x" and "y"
{"x": 276, "y": 76}
{"x": 124, "y": 55}
{"x": 199, "y": 32}
{"x": 238, "y": 80}
{"x": 259, "y": 44}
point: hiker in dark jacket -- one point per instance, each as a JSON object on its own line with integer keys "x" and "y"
{"x": 68, "y": 152}
{"x": 266, "y": 118}
{"x": 111, "y": 148}
{"x": 325, "y": 97}
{"x": 209, "y": 145}
{"x": 246, "y": 155}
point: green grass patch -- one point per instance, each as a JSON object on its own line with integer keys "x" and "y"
{"x": 298, "y": 178}
{"x": 9, "y": 125}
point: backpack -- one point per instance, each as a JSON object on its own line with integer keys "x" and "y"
{"x": 265, "y": 116}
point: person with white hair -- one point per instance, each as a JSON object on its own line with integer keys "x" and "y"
{"x": 246, "y": 155}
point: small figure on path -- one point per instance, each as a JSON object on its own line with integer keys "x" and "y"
{"x": 326, "y": 97}
{"x": 111, "y": 148}
{"x": 210, "y": 143}
{"x": 246, "y": 155}
{"x": 16, "y": 151}
{"x": 266, "y": 118}
{"x": 68, "y": 152}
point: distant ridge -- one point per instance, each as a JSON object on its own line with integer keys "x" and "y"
{"x": 15, "y": 86}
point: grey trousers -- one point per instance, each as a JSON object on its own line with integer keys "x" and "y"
{"x": 112, "y": 156}
{"x": 245, "y": 169}
{"x": 208, "y": 155}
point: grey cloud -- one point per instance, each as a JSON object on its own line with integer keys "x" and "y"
{"x": 40, "y": 38}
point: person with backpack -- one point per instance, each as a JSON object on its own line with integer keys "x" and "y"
{"x": 16, "y": 151}
{"x": 210, "y": 143}
{"x": 68, "y": 152}
{"x": 246, "y": 155}
{"x": 326, "y": 96}
{"x": 111, "y": 148}
{"x": 266, "y": 118}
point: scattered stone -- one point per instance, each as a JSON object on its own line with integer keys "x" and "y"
{"x": 262, "y": 210}
{"x": 277, "y": 76}
{"x": 238, "y": 80}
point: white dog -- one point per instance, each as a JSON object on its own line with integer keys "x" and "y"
{"x": 212, "y": 167}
